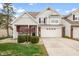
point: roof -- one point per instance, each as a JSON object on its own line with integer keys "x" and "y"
{"x": 33, "y": 14}
{"x": 30, "y": 14}
{"x": 72, "y": 22}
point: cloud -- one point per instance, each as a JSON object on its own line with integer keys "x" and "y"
{"x": 30, "y": 4}
{"x": 1, "y": 6}
{"x": 74, "y": 9}
{"x": 17, "y": 15}
{"x": 67, "y": 11}
{"x": 14, "y": 7}
{"x": 58, "y": 9}
{"x": 20, "y": 10}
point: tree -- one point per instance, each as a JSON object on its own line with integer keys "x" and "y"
{"x": 9, "y": 12}
{"x": 2, "y": 20}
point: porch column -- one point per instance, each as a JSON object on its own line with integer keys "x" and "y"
{"x": 15, "y": 33}
{"x": 28, "y": 30}
{"x": 37, "y": 31}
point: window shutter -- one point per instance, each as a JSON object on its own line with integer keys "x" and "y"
{"x": 44, "y": 20}
{"x": 39, "y": 20}
{"x": 73, "y": 17}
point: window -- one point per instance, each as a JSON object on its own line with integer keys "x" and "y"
{"x": 33, "y": 34}
{"x": 39, "y": 20}
{"x": 75, "y": 17}
{"x": 43, "y": 20}
{"x": 54, "y": 21}
{"x": 51, "y": 28}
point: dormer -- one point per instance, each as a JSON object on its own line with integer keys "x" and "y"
{"x": 76, "y": 17}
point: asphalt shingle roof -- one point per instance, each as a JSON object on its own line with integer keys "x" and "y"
{"x": 33, "y": 14}
{"x": 72, "y": 22}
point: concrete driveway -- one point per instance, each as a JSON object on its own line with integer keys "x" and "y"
{"x": 61, "y": 46}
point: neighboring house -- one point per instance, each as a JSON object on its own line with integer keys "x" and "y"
{"x": 71, "y": 23}
{"x": 47, "y": 23}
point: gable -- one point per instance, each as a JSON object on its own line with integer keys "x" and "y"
{"x": 75, "y": 11}
{"x": 25, "y": 19}
{"x": 47, "y": 12}
{"x": 70, "y": 16}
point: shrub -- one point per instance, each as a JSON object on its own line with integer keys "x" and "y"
{"x": 34, "y": 39}
{"x": 21, "y": 38}
{"x": 66, "y": 37}
{"x": 28, "y": 37}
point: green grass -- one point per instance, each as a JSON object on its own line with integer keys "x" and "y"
{"x": 10, "y": 49}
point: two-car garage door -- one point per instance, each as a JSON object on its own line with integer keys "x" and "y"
{"x": 51, "y": 32}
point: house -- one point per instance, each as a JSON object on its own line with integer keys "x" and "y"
{"x": 47, "y": 23}
{"x": 71, "y": 23}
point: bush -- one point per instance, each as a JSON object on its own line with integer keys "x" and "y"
{"x": 21, "y": 38}
{"x": 28, "y": 37}
{"x": 67, "y": 37}
{"x": 34, "y": 39}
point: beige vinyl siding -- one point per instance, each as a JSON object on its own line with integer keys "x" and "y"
{"x": 67, "y": 28}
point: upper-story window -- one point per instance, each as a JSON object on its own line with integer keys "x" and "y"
{"x": 54, "y": 18}
{"x": 75, "y": 17}
{"x": 54, "y": 21}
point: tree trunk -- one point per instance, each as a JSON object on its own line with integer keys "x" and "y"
{"x": 7, "y": 25}
{"x": 7, "y": 31}
{"x": 8, "y": 20}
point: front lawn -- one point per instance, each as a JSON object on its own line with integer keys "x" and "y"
{"x": 11, "y": 49}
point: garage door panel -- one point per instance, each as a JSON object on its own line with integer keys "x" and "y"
{"x": 76, "y": 32}
{"x": 51, "y": 32}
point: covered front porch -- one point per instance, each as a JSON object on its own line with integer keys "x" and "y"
{"x": 28, "y": 29}
{"x": 25, "y": 29}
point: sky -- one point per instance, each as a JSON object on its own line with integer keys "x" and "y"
{"x": 62, "y": 8}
